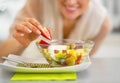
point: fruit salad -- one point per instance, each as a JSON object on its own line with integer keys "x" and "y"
{"x": 66, "y": 54}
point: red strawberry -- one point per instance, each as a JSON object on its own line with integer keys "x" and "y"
{"x": 42, "y": 42}
{"x": 46, "y": 33}
{"x": 79, "y": 59}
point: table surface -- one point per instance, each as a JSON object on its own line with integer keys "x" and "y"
{"x": 102, "y": 70}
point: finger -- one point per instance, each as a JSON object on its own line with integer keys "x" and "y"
{"x": 17, "y": 34}
{"x": 20, "y": 37}
{"x": 34, "y": 22}
{"x": 22, "y": 28}
{"x": 32, "y": 28}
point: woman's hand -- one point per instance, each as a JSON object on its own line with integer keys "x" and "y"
{"x": 27, "y": 31}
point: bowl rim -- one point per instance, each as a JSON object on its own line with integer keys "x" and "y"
{"x": 68, "y": 40}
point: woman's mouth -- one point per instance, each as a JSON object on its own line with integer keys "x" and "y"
{"x": 71, "y": 9}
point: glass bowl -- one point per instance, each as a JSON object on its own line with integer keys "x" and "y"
{"x": 66, "y": 52}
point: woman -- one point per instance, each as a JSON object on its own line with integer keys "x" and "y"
{"x": 72, "y": 19}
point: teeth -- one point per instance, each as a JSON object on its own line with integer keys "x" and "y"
{"x": 72, "y": 8}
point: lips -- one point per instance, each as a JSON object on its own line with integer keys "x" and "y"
{"x": 72, "y": 8}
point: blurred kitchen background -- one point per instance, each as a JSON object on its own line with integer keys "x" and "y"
{"x": 111, "y": 45}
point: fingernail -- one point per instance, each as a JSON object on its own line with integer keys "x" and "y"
{"x": 38, "y": 32}
{"x": 29, "y": 31}
{"x": 21, "y": 34}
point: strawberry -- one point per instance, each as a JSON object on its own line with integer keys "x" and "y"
{"x": 79, "y": 59}
{"x": 42, "y": 42}
{"x": 46, "y": 33}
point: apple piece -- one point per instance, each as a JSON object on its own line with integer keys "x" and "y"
{"x": 64, "y": 51}
{"x": 72, "y": 46}
{"x": 70, "y": 61}
{"x": 56, "y": 51}
{"x": 68, "y": 46}
{"x": 72, "y": 52}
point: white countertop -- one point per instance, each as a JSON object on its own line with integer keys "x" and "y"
{"x": 102, "y": 70}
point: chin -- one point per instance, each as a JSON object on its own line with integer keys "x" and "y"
{"x": 71, "y": 17}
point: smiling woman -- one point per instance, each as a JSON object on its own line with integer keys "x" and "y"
{"x": 72, "y": 9}
{"x": 67, "y": 19}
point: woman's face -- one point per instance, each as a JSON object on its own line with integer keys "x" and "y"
{"x": 72, "y": 9}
